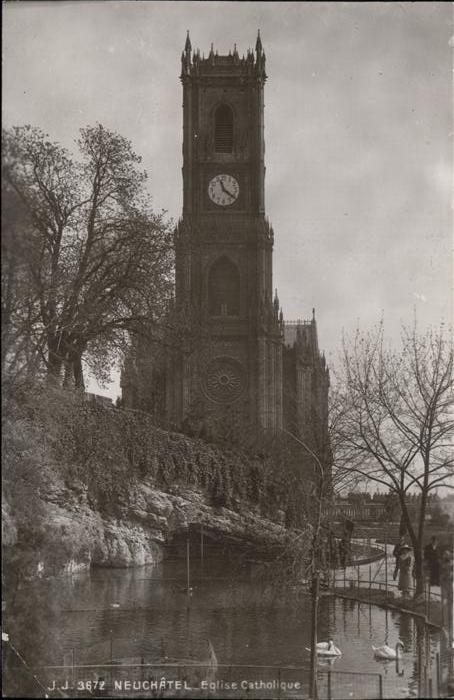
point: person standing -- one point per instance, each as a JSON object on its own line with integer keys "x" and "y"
{"x": 404, "y": 567}
{"x": 396, "y": 555}
{"x": 333, "y": 551}
{"x": 432, "y": 561}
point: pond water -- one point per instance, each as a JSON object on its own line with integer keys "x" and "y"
{"x": 254, "y": 630}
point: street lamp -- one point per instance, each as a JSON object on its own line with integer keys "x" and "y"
{"x": 315, "y": 587}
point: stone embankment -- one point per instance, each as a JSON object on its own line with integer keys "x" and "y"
{"x": 136, "y": 535}
{"x": 83, "y": 537}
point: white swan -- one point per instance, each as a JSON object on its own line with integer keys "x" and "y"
{"x": 327, "y": 649}
{"x": 386, "y": 652}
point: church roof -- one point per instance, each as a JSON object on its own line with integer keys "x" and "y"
{"x": 298, "y": 329}
{"x": 302, "y": 336}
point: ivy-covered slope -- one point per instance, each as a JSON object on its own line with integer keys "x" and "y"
{"x": 85, "y": 484}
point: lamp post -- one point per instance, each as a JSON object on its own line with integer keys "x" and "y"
{"x": 187, "y": 563}
{"x": 315, "y": 583}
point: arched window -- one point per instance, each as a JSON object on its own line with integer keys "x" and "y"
{"x": 224, "y": 288}
{"x": 223, "y": 129}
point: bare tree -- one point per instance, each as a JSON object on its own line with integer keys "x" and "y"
{"x": 396, "y": 424}
{"x": 99, "y": 260}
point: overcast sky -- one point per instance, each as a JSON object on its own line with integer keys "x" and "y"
{"x": 358, "y": 129}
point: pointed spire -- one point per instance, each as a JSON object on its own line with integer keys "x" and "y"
{"x": 313, "y": 314}
{"x": 260, "y": 59}
{"x": 187, "y": 46}
{"x": 258, "y": 44}
{"x": 186, "y": 57}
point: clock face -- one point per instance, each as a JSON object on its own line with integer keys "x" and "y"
{"x": 223, "y": 190}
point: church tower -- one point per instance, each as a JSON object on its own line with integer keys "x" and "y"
{"x": 228, "y": 367}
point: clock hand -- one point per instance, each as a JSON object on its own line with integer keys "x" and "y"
{"x": 226, "y": 190}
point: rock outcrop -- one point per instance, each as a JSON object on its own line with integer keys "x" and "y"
{"x": 91, "y": 486}
{"x": 83, "y": 537}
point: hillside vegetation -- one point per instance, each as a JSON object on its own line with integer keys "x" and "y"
{"x": 83, "y": 481}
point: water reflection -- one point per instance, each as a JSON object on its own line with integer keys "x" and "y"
{"x": 145, "y": 614}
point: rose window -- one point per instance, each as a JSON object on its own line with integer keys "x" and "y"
{"x": 224, "y": 380}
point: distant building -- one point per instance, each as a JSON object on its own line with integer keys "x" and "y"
{"x": 236, "y": 362}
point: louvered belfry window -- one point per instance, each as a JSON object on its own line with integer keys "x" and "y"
{"x": 223, "y": 130}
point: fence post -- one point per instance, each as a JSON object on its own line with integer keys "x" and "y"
{"x": 187, "y": 563}
{"x": 386, "y": 563}
{"x": 442, "y": 607}
{"x": 345, "y": 573}
{"x": 358, "y": 576}
{"x": 329, "y": 685}
{"x": 201, "y": 544}
{"x": 279, "y": 682}
{"x": 380, "y": 686}
{"x": 73, "y": 663}
{"x": 329, "y": 560}
{"x": 438, "y": 671}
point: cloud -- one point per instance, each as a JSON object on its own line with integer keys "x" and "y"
{"x": 357, "y": 120}
{"x": 439, "y": 175}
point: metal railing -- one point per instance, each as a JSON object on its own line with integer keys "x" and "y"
{"x": 371, "y": 584}
{"x": 367, "y": 586}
